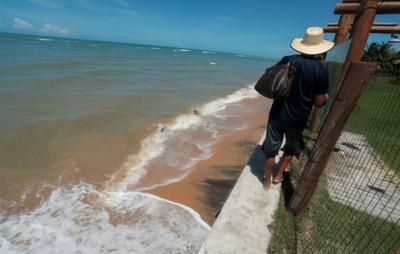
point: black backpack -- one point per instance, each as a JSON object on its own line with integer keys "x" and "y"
{"x": 277, "y": 80}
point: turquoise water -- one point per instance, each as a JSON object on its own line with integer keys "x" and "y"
{"x": 75, "y": 114}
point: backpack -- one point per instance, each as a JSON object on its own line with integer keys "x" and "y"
{"x": 277, "y": 80}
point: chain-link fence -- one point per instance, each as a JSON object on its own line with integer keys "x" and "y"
{"x": 356, "y": 206}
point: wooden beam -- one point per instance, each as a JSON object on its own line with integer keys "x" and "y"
{"x": 357, "y": 1}
{"x": 360, "y": 31}
{"x": 344, "y": 26}
{"x": 354, "y": 83}
{"x": 374, "y": 29}
{"x": 383, "y": 8}
{"x": 375, "y": 24}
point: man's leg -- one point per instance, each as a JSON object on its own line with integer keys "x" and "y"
{"x": 294, "y": 145}
{"x": 271, "y": 145}
{"x": 286, "y": 159}
{"x": 269, "y": 164}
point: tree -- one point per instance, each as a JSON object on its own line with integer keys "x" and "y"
{"x": 382, "y": 53}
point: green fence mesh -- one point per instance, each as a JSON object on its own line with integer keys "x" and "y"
{"x": 356, "y": 206}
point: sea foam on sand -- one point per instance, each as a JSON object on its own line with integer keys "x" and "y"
{"x": 172, "y": 148}
{"x": 81, "y": 219}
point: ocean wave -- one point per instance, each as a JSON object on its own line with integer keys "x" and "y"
{"x": 171, "y": 145}
{"x": 44, "y": 39}
{"x": 182, "y": 50}
{"x": 81, "y": 219}
{"x": 208, "y": 52}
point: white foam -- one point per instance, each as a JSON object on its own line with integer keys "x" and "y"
{"x": 208, "y": 52}
{"x": 82, "y": 220}
{"x": 154, "y": 48}
{"x": 154, "y": 147}
{"x": 220, "y": 104}
{"x": 181, "y": 50}
{"x": 212, "y": 63}
{"x": 240, "y": 55}
{"x": 44, "y": 39}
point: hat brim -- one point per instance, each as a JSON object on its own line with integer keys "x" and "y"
{"x": 320, "y": 48}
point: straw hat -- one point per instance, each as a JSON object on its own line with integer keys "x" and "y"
{"x": 312, "y": 43}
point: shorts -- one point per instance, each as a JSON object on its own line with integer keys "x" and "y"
{"x": 273, "y": 141}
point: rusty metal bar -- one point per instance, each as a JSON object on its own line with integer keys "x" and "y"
{"x": 374, "y": 29}
{"x": 354, "y": 83}
{"x": 383, "y": 8}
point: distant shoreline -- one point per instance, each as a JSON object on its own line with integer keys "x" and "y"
{"x": 140, "y": 44}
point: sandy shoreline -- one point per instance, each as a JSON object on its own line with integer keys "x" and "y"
{"x": 208, "y": 185}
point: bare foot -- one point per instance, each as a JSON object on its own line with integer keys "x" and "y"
{"x": 267, "y": 184}
{"x": 277, "y": 181}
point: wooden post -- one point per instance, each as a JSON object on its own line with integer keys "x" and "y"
{"x": 374, "y": 29}
{"x": 340, "y": 37}
{"x": 360, "y": 31}
{"x": 354, "y": 83}
{"x": 344, "y": 28}
{"x": 387, "y": 7}
{"x": 315, "y": 120}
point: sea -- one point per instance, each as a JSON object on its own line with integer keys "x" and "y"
{"x": 86, "y": 127}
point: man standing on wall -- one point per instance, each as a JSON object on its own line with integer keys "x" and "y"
{"x": 289, "y": 117}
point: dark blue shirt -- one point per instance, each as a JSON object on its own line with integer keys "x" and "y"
{"x": 311, "y": 79}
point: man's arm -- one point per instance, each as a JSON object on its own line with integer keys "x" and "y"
{"x": 320, "y": 100}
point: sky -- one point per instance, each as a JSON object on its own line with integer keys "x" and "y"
{"x": 256, "y": 27}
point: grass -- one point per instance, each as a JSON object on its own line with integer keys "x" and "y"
{"x": 284, "y": 239}
{"x": 377, "y": 117}
{"x": 330, "y": 227}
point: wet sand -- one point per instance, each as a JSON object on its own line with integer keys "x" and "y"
{"x": 209, "y": 184}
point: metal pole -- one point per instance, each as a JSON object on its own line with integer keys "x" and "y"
{"x": 354, "y": 83}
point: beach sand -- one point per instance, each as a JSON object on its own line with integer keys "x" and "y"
{"x": 208, "y": 185}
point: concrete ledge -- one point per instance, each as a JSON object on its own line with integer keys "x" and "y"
{"x": 242, "y": 225}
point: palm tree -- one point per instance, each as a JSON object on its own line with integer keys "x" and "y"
{"x": 382, "y": 53}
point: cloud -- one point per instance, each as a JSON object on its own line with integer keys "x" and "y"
{"x": 53, "y": 29}
{"x": 21, "y": 24}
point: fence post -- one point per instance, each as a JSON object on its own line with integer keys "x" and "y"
{"x": 360, "y": 31}
{"x": 344, "y": 28}
{"x": 354, "y": 82}
{"x": 340, "y": 37}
